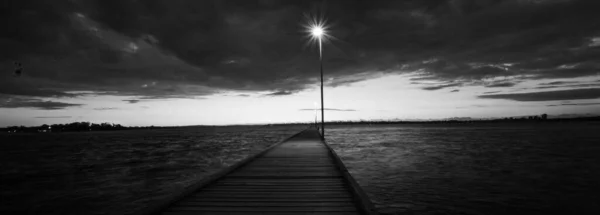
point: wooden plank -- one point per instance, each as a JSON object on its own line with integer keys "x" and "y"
{"x": 267, "y": 204}
{"x": 299, "y": 188}
{"x": 256, "y": 213}
{"x": 205, "y": 192}
{"x": 284, "y": 175}
{"x": 268, "y": 170}
{"x": 302, "y": 172}
{"x": 297, "y": 160}
{"x": 316, "y": 161}
{"x": 270, "y": 195}
{"x": 286, "y": 163}
{"x": 289, "y": 180}
{"x": 280, "y": 184}
{"x": 263, "y": 190}
{"x": 290, "y": 173}
{"x": 284, "y": 168}
{"x": 298, "y": 154}
{"x": 226, "y": 199}
{"x": 299, "y": 170}
{"x": 294, "y": 181}
{"x": 321, "y": 157}
{"x": 277, "y": 187}
{"x": 302, "y": 187}
{"x": 290, "y": 165}
{"x": 267, "y": 209}
{"x": 275, "y": 163}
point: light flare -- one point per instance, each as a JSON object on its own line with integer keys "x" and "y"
{"x": 316, "y": 27}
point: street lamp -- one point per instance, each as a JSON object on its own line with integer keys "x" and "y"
{"x": 318, "y": 32}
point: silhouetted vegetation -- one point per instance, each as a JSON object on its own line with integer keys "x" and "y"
{"x": 72, "y": 127}
{"x": 524, "y": 119}
{"x": 87, "y": 126}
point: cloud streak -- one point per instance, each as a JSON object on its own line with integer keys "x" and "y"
{"x": 573, "y": 94}
{"x": 328, "y": 109}
{"x": 501, "y": 84}
{"x": 280, "y": 93}
{"x": 575, "y": 104}
{"x": 106, "y": 108}
{"x": 53, "y": 117}
{"x": 439, "y": 87}
{"x": 36, "y": 104}
{"x": 131, "y": 101}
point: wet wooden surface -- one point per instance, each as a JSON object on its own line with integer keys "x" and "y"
{"x": 299, "y": 176}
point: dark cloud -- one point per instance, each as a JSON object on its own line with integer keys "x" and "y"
{"x": 136, "y": 100}
{"x": 53, "y": 117}
{"x": 24, "y": 86}
{"x": 280, "y": 93}
{"x": 574, "y": 104}
{"x": 559, "y": 83}
{"x": 195, "y": 48}
{"x": 439, "y": 87}
{"x": 350, "y": 79}
{"x": 501, "y": 84}
{"x": 16, "y": 102}
{"x": 587, "y": 85}
{"x": 573, "y": 94}
{"x": 328, "y": 109}
{"x": 471, "y": 106}
{"x": 243, "y": 95}
{"x": 106, "y": 108}
{"x": 491, "y": 92}
{"x": 454, "y": 91}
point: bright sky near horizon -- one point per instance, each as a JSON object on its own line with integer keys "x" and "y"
{"x": 233, "y": 62}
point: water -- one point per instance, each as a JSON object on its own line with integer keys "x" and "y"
{"x": 405, "y": 169}
{"x": 117, "y": 172}
{"x": 475, "y": 169}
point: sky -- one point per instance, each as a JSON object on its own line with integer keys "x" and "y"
{"x": 178, "y": 62}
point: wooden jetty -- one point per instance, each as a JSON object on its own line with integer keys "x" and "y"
{"x": 300, "y": 175}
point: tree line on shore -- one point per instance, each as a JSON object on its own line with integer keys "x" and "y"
{"x": 536, "y": 118}
{"x": 87, "y": 126}
{"x": 69, "y": 127}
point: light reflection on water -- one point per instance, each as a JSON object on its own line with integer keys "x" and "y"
{"x": 475, "y": 169}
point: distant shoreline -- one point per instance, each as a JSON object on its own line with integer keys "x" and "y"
{"x": 452, "y": 121}
{"x": 90, "y": 127}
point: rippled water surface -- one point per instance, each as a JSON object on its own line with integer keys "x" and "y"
{"x": 538, "y": 168}
{"x": 118, "y": 172}
{"x": 543, "y": 168}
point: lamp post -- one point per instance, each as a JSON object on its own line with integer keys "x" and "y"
{"x": 316, "y": 27}
{"x": 317, "y": 32}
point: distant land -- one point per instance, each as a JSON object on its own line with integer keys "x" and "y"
{"x": 87, "y": 126}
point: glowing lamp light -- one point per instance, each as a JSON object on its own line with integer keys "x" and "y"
{"x": 317, "y": 31}
{"x": 316, "y": 27}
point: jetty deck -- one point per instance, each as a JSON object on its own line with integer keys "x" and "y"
{"x": 300, "y": 175}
